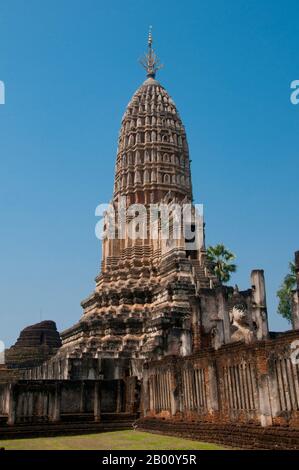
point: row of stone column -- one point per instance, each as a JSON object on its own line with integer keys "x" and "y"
{"x": 160, "y": 392}
{"x": 287, "y": 384}
{"x": 29, "y": 404}
{"x": 194, "y": 389}
{"x": 52, "y": 369}
{"x": 240, "y": 387}
{"x": 264, "y": 388}
{"x": 180, "y": 389}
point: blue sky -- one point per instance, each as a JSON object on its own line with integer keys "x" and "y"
{"x": 70, "y": 68}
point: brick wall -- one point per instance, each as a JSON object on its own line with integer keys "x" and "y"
{"x": 238, "y": 383}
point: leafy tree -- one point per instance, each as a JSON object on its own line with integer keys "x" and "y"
{"x": 221, "y": 261}
{"x": 284, "y": 293}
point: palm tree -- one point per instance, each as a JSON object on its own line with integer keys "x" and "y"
{"x": 285, "y": 294}
{"x": 221, "y": 261}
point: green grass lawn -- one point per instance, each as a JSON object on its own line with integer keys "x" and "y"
{"x": 119, "y": 440}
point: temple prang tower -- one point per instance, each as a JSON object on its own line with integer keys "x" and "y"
{"x": 154, "y": 296}
{"x": 144, "y": 301}
{"x": 160, "y": 338}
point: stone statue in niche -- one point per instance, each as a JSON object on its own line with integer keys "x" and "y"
{"x": 240, "y": 329}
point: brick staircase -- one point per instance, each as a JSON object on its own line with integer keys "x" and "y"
{"x": 232, "y": 435}
{"x": 200, "y": 275}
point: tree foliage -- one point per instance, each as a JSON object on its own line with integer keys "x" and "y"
{"x": 221, "y": 260}
{"x": 285, "y": 294}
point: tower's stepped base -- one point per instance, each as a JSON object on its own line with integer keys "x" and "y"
{"x": 233, "y": 435}
{"x": 69, "y": 425}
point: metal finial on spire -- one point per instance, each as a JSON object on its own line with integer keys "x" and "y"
{"x": 150, "y": 61}
{"x": 150, "y": 37}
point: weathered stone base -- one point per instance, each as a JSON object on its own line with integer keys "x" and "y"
{"x": 42, "y": 402}
{"x": 238, "y": 384}
{"x": 233, "y": 435}
{"x": 69, "y": 426}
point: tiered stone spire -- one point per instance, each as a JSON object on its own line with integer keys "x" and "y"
{"x": 154, "y": 297}
{"x": 152, "y": 156}
{"x": 145, "y": 292}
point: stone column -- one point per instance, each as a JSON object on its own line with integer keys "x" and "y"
{"x": 25, "y": 404}
{"x": 295, "y": 306}
{"x": 40, "y": 410}
{"x": 30, "y": 405}
{"x": 56, "y": 404}
{"x": 20, "y": 406}
{"x": 259, "y": 303}
{"x": 212, "y": 389}
{"x": 118, "y": 396}
{"x": 176, "y": 385}
{"x": 264, "y": 388}
{"x": 146, "y": 392}
{"x": 45, "y": 404}
{"x": 82, "y": 397}
{"x": 295, "y": 310}
{"x": 97, "y": 401}
{"x": 12, "y": 398}
{"x": 273, "y": 387}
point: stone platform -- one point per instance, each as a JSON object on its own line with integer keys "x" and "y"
{"x": 69, "y": 425}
